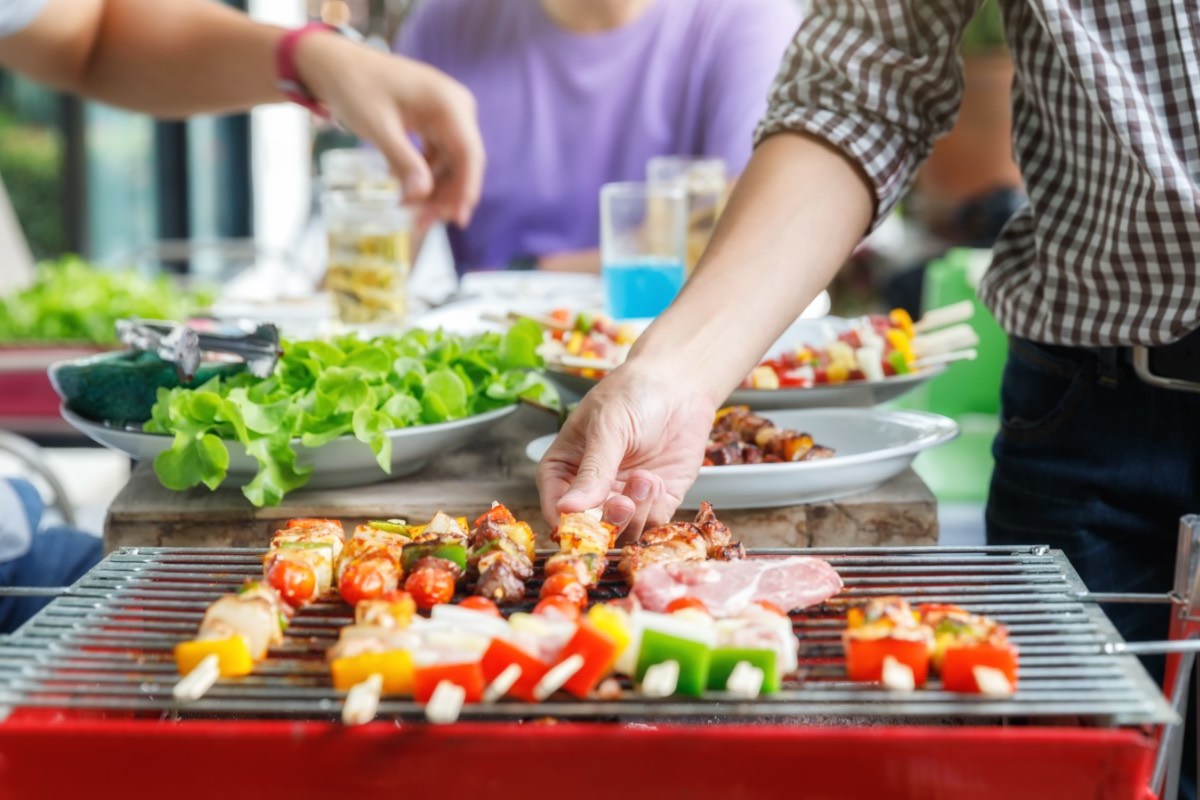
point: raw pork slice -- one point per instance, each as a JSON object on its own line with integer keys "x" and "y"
{"x": 727, "y": 587}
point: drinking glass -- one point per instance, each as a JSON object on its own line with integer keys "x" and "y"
{"x": 355, "y": 168}
{"x": 369, "y": 258}
{"x": 705, "y": 182}
{"x": 642, "y": 247}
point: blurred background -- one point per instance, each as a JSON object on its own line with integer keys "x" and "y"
{"x": 113, "y": 187}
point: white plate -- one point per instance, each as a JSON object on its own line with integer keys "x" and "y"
{"x": 343, "y": 462}
{"x": 872, "y": 445}
{"x": 829, "y": 395}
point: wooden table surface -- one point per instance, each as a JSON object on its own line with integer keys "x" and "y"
{"x": 464, "y": 482}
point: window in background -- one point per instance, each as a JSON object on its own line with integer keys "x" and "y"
{"x": 33, "y": 163}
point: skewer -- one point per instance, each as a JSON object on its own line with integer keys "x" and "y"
{"x": 558, "y": 675}
{"x": 504, "y": 681}
{"x": 956, "y": 337}
{"x": 579, "y": 362}
{"x": 362, "y": 701}
{"x": 445, "y": 704}
{"x": 992, "y": 682}
{"x": 196, "y": 683}
{"x": 942, "y": 317}
{"x": 746, "y": 680}
{"x": 898, "y": 677}
{"x": 512, "y": 316}
{"x": 947, "y": 358}
{"x": 661, "y": 679}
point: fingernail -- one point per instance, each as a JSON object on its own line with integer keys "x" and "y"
{"x": 640, "y": 488}
{"x": 620, "y": 515}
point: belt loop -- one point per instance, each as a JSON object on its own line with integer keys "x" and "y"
{"x": 1109, "y": 363}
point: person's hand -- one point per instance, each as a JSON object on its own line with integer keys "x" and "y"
{"x": 385, "y": 99}
{"x": 633, "y": 446}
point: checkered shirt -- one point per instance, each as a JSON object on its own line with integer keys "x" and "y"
{"x": 1106, "y": 130}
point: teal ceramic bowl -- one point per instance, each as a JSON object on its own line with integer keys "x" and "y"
{"x": 121, "y": 388}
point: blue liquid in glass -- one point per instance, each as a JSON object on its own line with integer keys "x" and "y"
{"x": 641, "y": 287}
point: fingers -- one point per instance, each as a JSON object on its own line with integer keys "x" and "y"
{"x": 579, "y": 470}
{"x": 458, "y": 164}
{"x": 642, "y": 490}
{"x": 405, "y": 161}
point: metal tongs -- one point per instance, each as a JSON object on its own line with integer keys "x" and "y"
{"x": 184, "y": 346}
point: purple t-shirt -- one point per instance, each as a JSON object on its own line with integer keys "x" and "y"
{"x": 563, "y": 113}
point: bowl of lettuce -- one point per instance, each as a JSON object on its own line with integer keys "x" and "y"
{"x": 334, "y": 413}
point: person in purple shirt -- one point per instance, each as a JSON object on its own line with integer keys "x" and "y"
{"x": 573, "y": 94}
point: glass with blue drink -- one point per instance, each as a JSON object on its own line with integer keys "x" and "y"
{"x": 643, "y": 246}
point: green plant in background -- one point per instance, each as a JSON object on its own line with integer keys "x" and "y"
{"x": 31, "y": 159}
{"x": 71, "y": 300}
{"x": 321, "y": 390}
{"x": 985, "y": 32}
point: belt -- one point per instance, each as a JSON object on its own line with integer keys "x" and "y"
{"x": 1173, "y": 366}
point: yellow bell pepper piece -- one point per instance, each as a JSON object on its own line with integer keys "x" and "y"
{"x": 764, "y": 378}
{"x": 902, "y": 320}
{"x": 233, "y": 655}
{"x": 395, "y": 666}
{"x": 842, "y": 354}
{"x": 575, "y": 345}
{"x": 626, "y": 334}
{"x": 611, "y": 623}
{"x": 837, "y": 372}
{"x": 901, "y": 344}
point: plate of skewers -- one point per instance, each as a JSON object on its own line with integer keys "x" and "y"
{"x": 816, "y": 363}
{"x": 458, "y": 616}
{"x": 751, "y": 461}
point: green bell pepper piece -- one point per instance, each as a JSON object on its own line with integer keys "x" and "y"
{"x": 896, "y": 359}
{"x": 724, "y": 659}
{"x": 694, "y": 659}
{"x": 584, "y": 322}
{"x": 391, "y": 526}
{"x": 450, "y": 551}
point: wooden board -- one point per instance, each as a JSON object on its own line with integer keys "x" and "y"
{"x": 901, "y": 512}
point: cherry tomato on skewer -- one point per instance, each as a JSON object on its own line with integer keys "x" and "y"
{"x": 295, "y": 582}
{"x": 681, "y": 603}
{"x": 559, "y": 606}
{"x": 368, "y": 578}
{"x": 430, "y": 587}
{"x": 477, "y": 603}
{"x": 567, "y": 586}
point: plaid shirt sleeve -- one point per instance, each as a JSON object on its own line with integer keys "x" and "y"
{"x": 878, "y": 79}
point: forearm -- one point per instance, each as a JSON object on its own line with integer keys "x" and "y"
{"x": 173, "y": 59}
{"x": 572, "y": 261}
{"x": 796, "y": 214}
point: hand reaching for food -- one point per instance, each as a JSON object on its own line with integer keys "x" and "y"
{"x": 634, "y": 447}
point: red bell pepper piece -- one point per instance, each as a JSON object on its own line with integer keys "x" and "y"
{"x": 959, "y": 663}
{"x": 500, "y": 655}
{"x": 864, "y": 657}
{"x": 468, "y": 676}
{"x": 599, "y": 652}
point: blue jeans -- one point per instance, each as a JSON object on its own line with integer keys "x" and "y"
{"x": 1097, "y": 463}
{"x": 58, "y": 556}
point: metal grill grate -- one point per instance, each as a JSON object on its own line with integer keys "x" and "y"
{"x": 107, "y": 644}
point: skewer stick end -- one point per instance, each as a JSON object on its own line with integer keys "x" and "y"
{"x": 661, "y": 679}
{"x": 992, "y": 682}
{"x": 896, "y": 676}
{"x": 362, "y": 701}
{"x": 196, "y": 683}
{"x": 445, "y": 704}
{"x": 504, "y": 681}
{"x": 557, "y": 676}
{"x": 745, "y": 680}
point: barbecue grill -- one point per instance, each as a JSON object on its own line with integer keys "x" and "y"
{"x": 97, "y": 662}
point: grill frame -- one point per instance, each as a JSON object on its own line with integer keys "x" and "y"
{"x": 1065, "y": 675}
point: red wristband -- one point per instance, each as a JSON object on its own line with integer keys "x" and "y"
{"x": 285, "y": 67}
